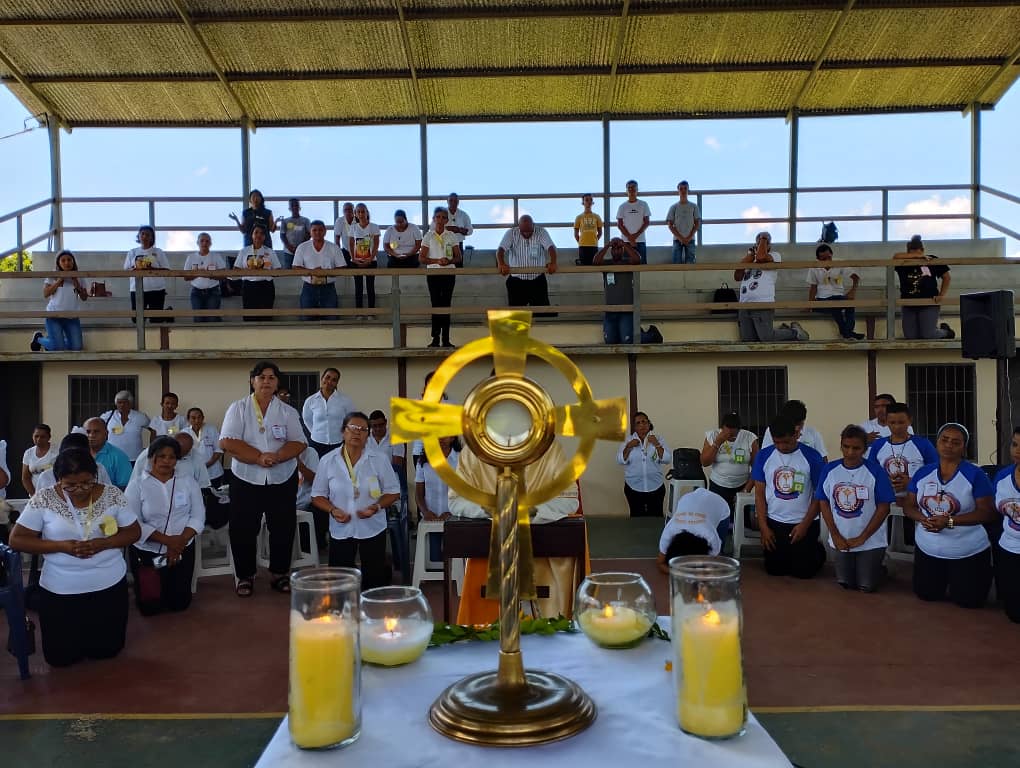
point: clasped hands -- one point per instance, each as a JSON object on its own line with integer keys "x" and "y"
{"x": 268, "y": 460}
{"x": 935, "y": 523}
{"x": 345, "y": 517}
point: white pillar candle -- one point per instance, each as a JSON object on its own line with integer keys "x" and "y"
{"x": 391, "y": 641}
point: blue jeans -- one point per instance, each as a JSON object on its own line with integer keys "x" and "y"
{"x": 844, "y": 317}
{"x": 683, "y": 254}
{"x": 642, "y": 249}
{"x": 206, "y": 298}
{"x": 618, "y": 328}
{"x": 286, "y": 258}
{"x": 319, "y": 297}
{"x": 62, "y": 333}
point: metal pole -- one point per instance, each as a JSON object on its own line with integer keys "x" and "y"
{"x": 56, "y": 187}
{"x": 794, "y": 143}
{"x": 975, "y": 171}
{"x": 890, "y": 303}
{"x": 605, "y": 181}
{"x": 636, "y": 331}
{"x": 885, "y": 215}
{"x": 395, "y": 309}
{"x": 423, "y": 143}
{"x": 20, "y": 235}
{"x": 245, "y": 166}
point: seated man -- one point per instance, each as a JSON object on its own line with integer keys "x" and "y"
{"x": 558, "y": 573}
{"x": 693, "y": 528}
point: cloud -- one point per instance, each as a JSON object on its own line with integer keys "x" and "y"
{"x": 865, "y": 210}
{"x": 179, "y": 240}
{"x": 503, "y": 214}
{"x": 1014, "y": 255}
{"x": 934, "y": 205}
{"x": 202, "y": 171}
{"x": 713, "y": 143}
{"x": 754, "y": 212}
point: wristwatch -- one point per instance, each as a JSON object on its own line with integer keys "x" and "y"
{"x": 951, "y": 522}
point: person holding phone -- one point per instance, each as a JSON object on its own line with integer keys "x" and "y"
{"x": 65, "y": 294}
{"x": 642, "y": 457}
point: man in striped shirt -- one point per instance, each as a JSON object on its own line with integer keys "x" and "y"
{"x": 526, "y": 246}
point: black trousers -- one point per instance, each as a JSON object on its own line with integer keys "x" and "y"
{"x": 216, "y": 515}
{"x": 586, "y": 254}
{"x": 361, "y": 282}
{"x": 257, "y": 294}
{"x": 248, "y": 503}
{"x": 1007, "y": 582}
{"x": 802, "y": 560}
{"x": 150, "y": 300}
{"x": 645, "y": 503}
{"x": 174, "y": 581}
{"x": 967, "y": 579}
{"x": 527, "y": 293}
{"x": 321, "y": 518}
{"x": 374, "y": 571}
{"x": 90, "y": 625}
{"x": 441, "y": 294}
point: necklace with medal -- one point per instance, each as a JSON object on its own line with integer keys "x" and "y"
{"x": 86, "y": 527}
{"x": 258, "y": 413}
{"x": 350, "y": 471}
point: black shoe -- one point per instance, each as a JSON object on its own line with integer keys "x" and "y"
{"x": 35, "y": 345}
{"x": 435, "y": 343}
{"x": 854, "y": 336}
{"x": 950, "y": 333}
{"x": 448, "y": 344}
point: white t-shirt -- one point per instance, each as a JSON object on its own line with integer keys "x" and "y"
{"x": 152, "y": 258}
{"x": 872, "y": 425}
{"x": 375, "y": 478}
{"x": 328, "y": 257}
{"x": 403, "y": 242}
{"x": 340, "y": 231}
{"x": 699, "y": 512}
{"x": 437, "y": 496}
{"x": 834, "y": 281}
{"x": 310, "y": 458}
{"x": 38, "y": 464}
{"x": 50, "y": 514}
{"x": 853, "y": 496}
{"x": 732, "y": 465}
{"x": 808, "y": 436}
{"x": 642, "y": 469}
{"x": 386, "y": 448}
{"x": 954, "y": 497}
{"x": 168, "y": 426}
{"x": 263, "y": 258}
{"x": 126, "y": 436}
{"x": 154, "y": 501}
{"x": 1007, "y": 502}
{"x": 362, "y": 237}
{"x": 324, "y": 417}
{"x": 65, "y": 299}
{"x": 460, "y": 219}
{"x": 47, "y": 480}
{"x": 759, "y": 284}
{"x": 280, "y": 425}
{"x": 440, "y": 246}
{"x": 790, "y": 480}
{"x": 902, "y": 458}
{"x": 210, "y": 261}
{"x": 187, "y": 466}
{"x": 208, "y": 444}
{"x": 633, "y": 216}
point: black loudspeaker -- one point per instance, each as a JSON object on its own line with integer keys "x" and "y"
{"x": 988, "y": 327}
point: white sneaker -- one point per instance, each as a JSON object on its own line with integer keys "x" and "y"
{"x": 802, "y": 335}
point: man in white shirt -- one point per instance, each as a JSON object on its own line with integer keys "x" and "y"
{"x": 877, "y": 426}
{"x": 632, "y": 218}
{"x": 828, "y": 283}
{"x": 526, "y": 246}
{"x": 318, "y": 291}
{"x": 341, "y": 227}
{"x": 759, "y": 286}
{"x": 460, "y": 222}
{"x": 797, "y": 413}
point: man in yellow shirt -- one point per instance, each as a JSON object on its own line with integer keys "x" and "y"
{"x": 587, "y": 232}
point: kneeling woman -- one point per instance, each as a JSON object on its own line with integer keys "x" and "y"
{"x": 80, "y": 525}
{"x": 172, "y": 513}
{"x": 950, "y": 502}
{"x": 355, "y": 486}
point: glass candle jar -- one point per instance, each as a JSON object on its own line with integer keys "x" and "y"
{"x": 708, "y": 669}
{"x": 396, "y": 625}
{"x": 325, "y": 664}
{"x": 615, "y": 610}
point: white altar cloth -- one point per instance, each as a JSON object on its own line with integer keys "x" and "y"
{"x": 631, "y": 689}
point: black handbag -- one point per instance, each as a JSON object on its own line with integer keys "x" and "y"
{"x": 724, "y": 293}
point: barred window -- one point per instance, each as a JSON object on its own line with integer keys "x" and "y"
{"x": 756, "y": 393}
{"x": 941, "y": 393}
{"x": 301, "y": 384}
{"x": 90, "y": 396}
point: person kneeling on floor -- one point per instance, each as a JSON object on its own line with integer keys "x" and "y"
{"x": 694, "y": 527}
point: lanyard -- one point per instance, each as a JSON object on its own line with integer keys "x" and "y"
{"x": 350, "y": 470}
{"x": 86, "y": 528}
{"x": 258, "y": 413}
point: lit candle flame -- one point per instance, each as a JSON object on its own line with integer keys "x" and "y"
{"x": 712, "y": 617}
{"x": 326, "y": 619}
{"x": 390, "y": 624}
{"x": 608, "y": 612}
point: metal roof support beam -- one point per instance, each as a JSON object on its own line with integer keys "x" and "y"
{"x": 606, "y": 181}
{"x": 245, "y": 166}
{"x": 975, "y": 172}
{"x": 220, "y": 75}
{"x": 834, "y": 31}
{"x": 794, "y": 173}
{"x": 405, "y": 41}
{"x": 423, "y": 149}
{"x": 51, "y": 111}
{"x": 1011, "y": 61}
{"x": 621, "y": 33}
{"x": 56, "y": 186}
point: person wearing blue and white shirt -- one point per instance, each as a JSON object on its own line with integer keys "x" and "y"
{"x": 950, "y": 502}
{"x": 785, "y": 477}
{"x": 901, "y": 454}
{"x": 355, "y": 486}
{"x": 323, "y": 413}
{"x": 147, "y": 258}
{"x": 80, "y": 526}
{"x": 1007, "y": 549}
{"x": 526, "y": 246}
{"x": 693, "y": 529}
{"x": 264, "y": 436}
{"x": 643, "y": 456}
{"x": 854, "y": 495}
{"x": 125, "y": 424}
{"x": 809, "y": 436}
{"x": 171, "y": 511}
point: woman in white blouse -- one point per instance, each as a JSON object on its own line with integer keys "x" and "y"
{"x": 402, "y": 242}
{"x": 38, "y": 458}
{"x": 171, "y": 512}
{"x": 642, "y": 457}
{"x": 729, "y": 451}
{"x": 440, "y": 253}
{"x": 363, "y": 245}
{"x": 125, "y": 424}
{"x": 65, "y": 294}
{"x": 323, "y": 413}
{"x": 81, "y": 526}
{"x": 264, "y": 437}
{"x": 205, "y": 291}
{"x": 355, "y": 486}
{"x": 147, "y": 257}
{"x": 257, "y": 292}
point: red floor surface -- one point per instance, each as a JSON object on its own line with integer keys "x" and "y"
{"x": 806, "y": 644}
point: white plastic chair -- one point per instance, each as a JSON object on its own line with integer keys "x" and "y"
{"x": 300, "y": 558}
{"x": 742, "y": 535}
{"x": 212, "y": 566}
{"x": 432, "y": 570}
{"x": 678, "y": 488}
{"x": 898, "y": 549}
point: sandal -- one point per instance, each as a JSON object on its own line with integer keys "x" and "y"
{"x": 281, "y": 584}
{"x": 244, "y": 587}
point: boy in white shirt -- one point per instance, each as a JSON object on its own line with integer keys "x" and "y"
{"x": 169, "y": 422}
{"x": 693, "y": 528}
{"x": 809, "y": 436}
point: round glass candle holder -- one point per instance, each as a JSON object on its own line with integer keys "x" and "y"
{"x": 615, "y": 610}
{"x": 325, "y": 663}
{"x": 711, "y": 699}
{"x": 396, "y": 625}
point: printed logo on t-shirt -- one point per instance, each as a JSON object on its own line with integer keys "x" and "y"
{"x": 847, "y": 499}
{"x": 1010, "y": 509}
{"x": 788, "y": 483}
{"x": 935, "y": 502}
{"x": 896, "y": 465}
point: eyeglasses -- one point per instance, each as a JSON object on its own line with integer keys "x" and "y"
{"x": 356, "y": 429}
{"x": 88, "y": 485}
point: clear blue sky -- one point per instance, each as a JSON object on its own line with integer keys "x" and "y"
{"x": 503, "y": 159}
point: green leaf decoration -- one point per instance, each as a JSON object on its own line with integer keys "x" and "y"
{"x": 445, "y": 634}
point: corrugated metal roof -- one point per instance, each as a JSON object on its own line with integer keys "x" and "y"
{"x": 280, "y": 62}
